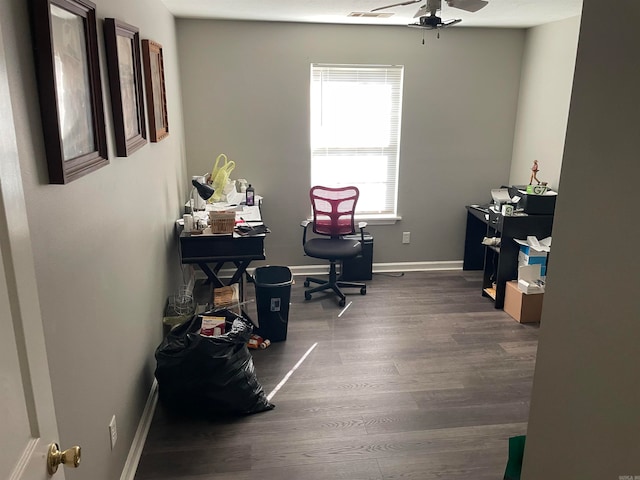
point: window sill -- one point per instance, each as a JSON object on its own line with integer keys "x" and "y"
{"x": 378, "y": 220}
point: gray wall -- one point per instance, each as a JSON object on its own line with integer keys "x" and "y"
{"x": 105, "y": 254}
{"x": 104, "y": 251}
{"x": 584, "y": 419}
{"x": 543, "y": 105}
{"x": 245, "y": 89}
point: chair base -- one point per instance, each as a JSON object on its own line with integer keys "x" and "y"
{"x": 332, "y": 284}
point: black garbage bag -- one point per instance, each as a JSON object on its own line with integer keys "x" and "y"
{"x": 209, "y": 376}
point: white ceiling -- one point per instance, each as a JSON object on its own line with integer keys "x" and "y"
{"x": 498, "y": 13}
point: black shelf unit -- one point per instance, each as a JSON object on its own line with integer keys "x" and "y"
{"x": 500, "y": 264}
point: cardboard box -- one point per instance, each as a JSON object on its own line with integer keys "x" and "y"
{"x": 227, "y": 297}
{"x": 522, "y": 307}
{"x": 212, "y": 326}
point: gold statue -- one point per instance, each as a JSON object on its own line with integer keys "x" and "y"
{"x": 534, "y": 173}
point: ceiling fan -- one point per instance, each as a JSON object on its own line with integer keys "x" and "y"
{"x": 427, "y": 13}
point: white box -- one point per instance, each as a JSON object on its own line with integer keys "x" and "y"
{"x": 529, "y": 287}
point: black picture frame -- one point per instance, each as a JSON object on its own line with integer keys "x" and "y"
{"x": 69, "y": 87}
{"x": 155, "y": 90}
{"x": 122, "y": 44}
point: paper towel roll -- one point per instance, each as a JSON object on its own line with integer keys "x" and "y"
{"x": 188, "y": 222}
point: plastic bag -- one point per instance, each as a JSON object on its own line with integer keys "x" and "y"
{"x": 220, "y": 176}
{"x": 209, "y": 376}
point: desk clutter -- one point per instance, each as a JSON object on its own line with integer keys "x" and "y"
{"x": 224, "y": 219}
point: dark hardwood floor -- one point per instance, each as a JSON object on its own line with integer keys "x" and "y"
{"x": 420, "y": 379}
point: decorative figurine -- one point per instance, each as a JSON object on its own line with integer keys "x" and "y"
{"x": 534, "y": 173}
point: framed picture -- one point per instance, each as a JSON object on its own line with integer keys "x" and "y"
{"x": 68, "y": 76}
{"x": 156, "y": 93}
{"x": 122, "y": 42}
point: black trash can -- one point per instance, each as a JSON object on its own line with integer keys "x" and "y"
{"x": 273, "y": 292}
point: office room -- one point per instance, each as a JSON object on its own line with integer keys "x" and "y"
{"x": 89, "y": 265}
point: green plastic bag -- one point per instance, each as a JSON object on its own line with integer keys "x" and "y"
{"x": 516, "y": 454}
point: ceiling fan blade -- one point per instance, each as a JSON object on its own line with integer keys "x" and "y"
{"x": 424, "y": 27}
{"x": 448, "y": 23}
{"x": 408, "y": 2}
{"x": 468, "y": 5}
{"x": 421, "y": 11}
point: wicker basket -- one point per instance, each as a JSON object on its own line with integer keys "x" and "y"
{"x": 222, "y": 222}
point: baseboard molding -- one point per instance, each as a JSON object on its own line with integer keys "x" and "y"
{"x": 135, "y": 452}
{"x": 323, "y": 269}
{"x": 417, "y": 266}
{"x": 383, "y": 267}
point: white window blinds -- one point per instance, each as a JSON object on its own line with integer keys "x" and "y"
{"x": 355, "y": 132}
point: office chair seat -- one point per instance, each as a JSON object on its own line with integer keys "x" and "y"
{"x": 332, "y": 248}
{"x": 333, "y": 218}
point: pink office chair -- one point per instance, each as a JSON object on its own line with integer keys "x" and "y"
{"x": 333, "y": 218}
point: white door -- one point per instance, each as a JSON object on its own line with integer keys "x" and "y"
{"x": 27, "y": 417}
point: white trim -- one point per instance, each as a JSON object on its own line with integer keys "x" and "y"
{"x": 323, "y": 269}
{"x": 417, "y": 266}
{"x": 135, "y": 452}
{"x": 28, "y": 452}
{"x": 392, "y": 220}
{"x": 384, "y": 267}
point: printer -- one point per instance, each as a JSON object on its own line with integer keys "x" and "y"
{"x": 534, "y": 203}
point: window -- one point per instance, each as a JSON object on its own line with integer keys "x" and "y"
{"x": 355, "y": 132}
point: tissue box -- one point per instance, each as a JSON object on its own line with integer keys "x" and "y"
{"x": 532, "y": 252}
{"x": 525, "y": 308}
{"x": 524, "y": 259}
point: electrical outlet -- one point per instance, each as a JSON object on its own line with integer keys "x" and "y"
{"x": 113, "y": 432}
{"x": 406, "y": 237}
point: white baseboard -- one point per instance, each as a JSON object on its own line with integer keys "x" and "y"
{"x": 323, "y": 269}
{"x": 417, "y": 266}
{"x": 135, "y": 452}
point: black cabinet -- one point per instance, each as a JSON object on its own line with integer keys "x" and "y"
{"x": 360, "y": 267}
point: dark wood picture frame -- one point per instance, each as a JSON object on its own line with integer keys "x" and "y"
{"x": 68, "y": 75}
{"x": 155, "y": 90}
{"x": 122, "y": 43}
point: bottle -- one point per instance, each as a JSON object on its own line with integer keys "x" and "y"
{"x": 250, "y": 196}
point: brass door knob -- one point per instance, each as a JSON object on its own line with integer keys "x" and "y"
{"x": 70, "y": 457}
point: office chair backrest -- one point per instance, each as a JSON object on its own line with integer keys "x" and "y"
{"x": 333, "y": 210}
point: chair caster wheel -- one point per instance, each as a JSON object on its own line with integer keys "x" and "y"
{"x": 307, "y": 296}
{"x": 363, "y": 291}
{"x": 306, "y": 284}
{"x": 342, "y": 302}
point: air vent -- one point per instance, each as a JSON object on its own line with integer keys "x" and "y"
{"x": 370, "y": 14}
